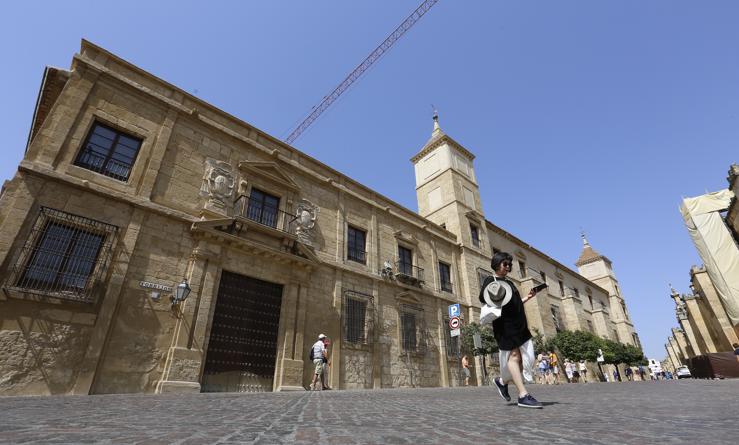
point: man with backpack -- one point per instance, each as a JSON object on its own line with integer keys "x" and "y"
{"x": 317, "y": 355}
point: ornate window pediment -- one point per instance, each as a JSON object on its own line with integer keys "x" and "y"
{"x": 408, "y": 297}
{"x": 270, "y": 171}
{"x": 406, "y": 237}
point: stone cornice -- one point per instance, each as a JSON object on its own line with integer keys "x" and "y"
{"x": 437, "y": 142}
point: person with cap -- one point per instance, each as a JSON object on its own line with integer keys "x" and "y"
{"x": 510, "y": 329}
{"x": 318, "y": 352}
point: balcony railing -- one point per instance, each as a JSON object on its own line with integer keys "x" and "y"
{"x": 96, "y": 162}
{"x": 446, "y": 286}
{"x": 358, "y": 255}
{"x": 409, "y": 272}
{"x": 265, "y": 215}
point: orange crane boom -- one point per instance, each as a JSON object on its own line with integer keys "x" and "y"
{"x": 359, "y": 70}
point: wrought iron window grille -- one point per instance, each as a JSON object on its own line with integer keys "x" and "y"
{"x": 357, "y": 318}
{"x": 64, "y": 257}
{"x": 412, "y": 329}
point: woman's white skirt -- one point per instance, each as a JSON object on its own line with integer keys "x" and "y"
{"x": 528, "y": 359}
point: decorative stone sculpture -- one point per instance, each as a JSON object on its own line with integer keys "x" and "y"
{"x": 306, "y": 214}
{"x": 217, "y": 186}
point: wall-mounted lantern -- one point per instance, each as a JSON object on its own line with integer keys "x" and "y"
{"x": 181, "y": 292}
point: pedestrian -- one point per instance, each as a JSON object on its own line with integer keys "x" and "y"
{"x": 569, "y": 368}
{"x": 575, "y": 374}
{"x": 510, "y": 330}
{"x": 629, "y": 373}
{"x": 640, "y": 369}
{"x": 543, "y": 368}
{"x": 736, "y": 351}
{"x": 616, "y": 376}
{"x": 466, "y": 370}
{"x": 583, "y": 371}
{"x": 554, "y": 366}
{"x": 318, "y": 352}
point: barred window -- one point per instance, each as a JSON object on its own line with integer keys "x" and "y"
{"x": 555, "y": 318}
{"x": 357, "y": 318}
{"x": 356, "y": 245}
{"x": 445, "y": 277}
{"x": 109, "y": 152}
{"x": 63, "y": 257}
{"x": 521, "y": 269}
{"x": 411, "y": 321}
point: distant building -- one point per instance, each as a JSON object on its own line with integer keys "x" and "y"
{"x": 709, "y": 315}
{"x": 131, "y": 188}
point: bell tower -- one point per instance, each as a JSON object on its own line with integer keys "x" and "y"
{"x": 599, "y": 269}
{"x": 447, "y": 190}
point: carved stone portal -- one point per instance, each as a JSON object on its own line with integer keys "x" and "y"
{"x": 217, "y": 186}
{"x": 306, "y": 214}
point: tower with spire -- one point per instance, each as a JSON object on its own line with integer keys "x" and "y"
{"x": 446, "y": 185}
{"x": 448, "y": 195}
{"x": 599, "y": 269}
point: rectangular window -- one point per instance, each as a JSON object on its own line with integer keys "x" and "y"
{"x": 356, "y": 244}
{"x": 408, "y": 326}
{"x": 357, "y": 318}
{"x": 590, "y": 300}
{"x": 561, "y": 288}
{"x": 411, "y": 327}
{"x": 263, "y": 208}
{"x": 555, "y": 318}
{"x": 475, "y": 233}
{"x": 577, "y": 293}
{"x": 109, "y": 152}
{"x": 405, "y": 261}
{"x": 590, "y": 325}
{"x": 543, "y": 277}
{"x": 445, "y": 277}
{"x": 63, "y": 256}
{"x": 522, "y": 269}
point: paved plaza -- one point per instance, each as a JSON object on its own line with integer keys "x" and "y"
{"x": 686, "y": 411}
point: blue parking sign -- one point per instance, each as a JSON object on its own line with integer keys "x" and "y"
{"x": 453, "y": 310}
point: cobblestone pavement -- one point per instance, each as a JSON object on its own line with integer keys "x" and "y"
{"x": 686, "y": 411}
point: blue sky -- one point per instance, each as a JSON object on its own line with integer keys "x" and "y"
{"x": 599, "y": 115}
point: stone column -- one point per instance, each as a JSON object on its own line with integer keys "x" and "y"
{"x": 291, "y": 357}
{"x": 186, "y": 355}
{"x": 701, "y": 328}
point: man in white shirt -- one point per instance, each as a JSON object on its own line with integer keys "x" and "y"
{"x": 583, "y": 371}
{"x": 319, "y": 352}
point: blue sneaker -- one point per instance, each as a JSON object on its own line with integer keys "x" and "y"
{"x": 528, "y": 401}
{"x": 502, "y": 389}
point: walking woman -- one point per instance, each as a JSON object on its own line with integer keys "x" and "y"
{"x": 511, "y": 331}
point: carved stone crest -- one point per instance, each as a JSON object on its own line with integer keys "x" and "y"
{"x": 305, "y": 219}
{"x": 218, "y": 185}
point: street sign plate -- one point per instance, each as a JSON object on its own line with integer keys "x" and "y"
{"x": 454, "y": 332}
{"x": 454, "y": 310}
{"x": 454, "y": 323}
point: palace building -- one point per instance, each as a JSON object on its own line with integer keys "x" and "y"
{"x": 150, "y": 243}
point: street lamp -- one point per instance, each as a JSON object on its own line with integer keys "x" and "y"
{"x": 181, "y": 292}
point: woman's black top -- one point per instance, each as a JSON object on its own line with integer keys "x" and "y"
{"x": 511, "y": 330}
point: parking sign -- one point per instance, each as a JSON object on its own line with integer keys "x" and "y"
{"x": 453, "y": 310}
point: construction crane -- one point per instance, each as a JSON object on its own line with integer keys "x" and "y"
{"x": 359, "y": 70}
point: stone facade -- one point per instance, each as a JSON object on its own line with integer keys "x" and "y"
{"x": 182, "y": 212}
